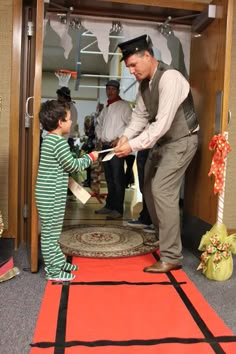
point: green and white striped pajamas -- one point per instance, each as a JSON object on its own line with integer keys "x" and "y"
{"x": 56, "y": 162}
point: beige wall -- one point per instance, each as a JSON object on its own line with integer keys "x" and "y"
{"x": 230, "y": 192}
{"x": 5, "y": 65}
{"x": 200, "y": 1}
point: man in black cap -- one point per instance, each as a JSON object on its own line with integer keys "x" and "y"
{"x": 111, "y": 124}
{"x": 163, "y": 120}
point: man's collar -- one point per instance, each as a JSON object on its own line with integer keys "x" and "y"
{"x": 118, "y": 98}
{"x": 154, "y": 73}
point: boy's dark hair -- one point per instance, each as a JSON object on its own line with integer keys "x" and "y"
{"x": 51, "y": 112}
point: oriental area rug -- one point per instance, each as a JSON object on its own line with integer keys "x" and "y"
{"x": 113, "y": 307}
{"x": 105, "y": 241}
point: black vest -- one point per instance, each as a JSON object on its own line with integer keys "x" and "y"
{"x": 185, "y": 120}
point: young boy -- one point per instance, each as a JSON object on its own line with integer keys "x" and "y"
{"x": 56, "y": 162}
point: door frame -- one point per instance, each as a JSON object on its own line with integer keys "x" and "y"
{"x": 15, "y": 115}
{"x": 13, "y": 191}
{"x": 36, "y": 130}
{"x": 18, "y": 226}
{"x": 201, "y": 204}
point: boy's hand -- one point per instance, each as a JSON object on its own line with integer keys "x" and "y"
{"x": 95, "y": 155}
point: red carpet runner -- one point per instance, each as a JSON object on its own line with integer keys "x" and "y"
{"x": 113, "y": 307}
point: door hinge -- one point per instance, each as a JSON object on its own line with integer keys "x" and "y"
{"x": 30, "y": 29}
{"x": 229, "y": 117}
{"x": 25, "y": 211}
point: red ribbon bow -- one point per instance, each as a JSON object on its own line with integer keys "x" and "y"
{"x": 222, "y": 148}
{"x": 217, "y": 250}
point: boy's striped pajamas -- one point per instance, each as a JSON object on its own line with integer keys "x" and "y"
{"x": 56, "y": 162}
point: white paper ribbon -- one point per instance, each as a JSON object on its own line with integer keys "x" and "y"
{"x": 109, "y": 156}
{"x": 78, "y": 191}
{"x": 106, "y": 150}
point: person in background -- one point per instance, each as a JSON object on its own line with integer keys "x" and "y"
{"x": 110, "y": 126}
{"x": 129, "y": 173}
{"x": 64, "y": 95}
{"x": 89, "y": 144}
{"x": 163, "y": 120}
{"x": 144, "y": 220}
{"x": 56, "y": 162}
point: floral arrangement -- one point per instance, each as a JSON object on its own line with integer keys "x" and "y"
{"x": 217, "y": 260}
{"x": 218, "y": 247}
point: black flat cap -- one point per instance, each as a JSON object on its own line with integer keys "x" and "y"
{"x": 113, "y": 83}
{"x": 135, "y": 45}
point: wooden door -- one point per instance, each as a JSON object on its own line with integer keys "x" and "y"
{"x": 31, "y": 74}
{"x": 209, "y": 78}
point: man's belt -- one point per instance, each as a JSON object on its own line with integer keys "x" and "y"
{"x": 106, "y": 145}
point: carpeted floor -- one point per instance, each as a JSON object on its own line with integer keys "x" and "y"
{"x": 21, "y": 298}
{"x": 113, "y": 307}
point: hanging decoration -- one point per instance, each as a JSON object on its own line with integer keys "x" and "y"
{"x": 62, "y": 30}
{"x": 220, "y": 145}
{"x": 78, "y": 62}
{"x": 101, "y": 29}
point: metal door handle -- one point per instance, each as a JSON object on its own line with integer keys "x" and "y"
{"x": 27, "y": 106}
{"x": 27, "y": 115}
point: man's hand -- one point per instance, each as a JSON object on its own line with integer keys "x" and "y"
{"x": 122, "y": 140}
{"x": 123, "y": 150}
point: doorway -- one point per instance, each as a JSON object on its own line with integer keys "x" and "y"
{"x": 207, "y": 111}
{"x": 91, "y": 49}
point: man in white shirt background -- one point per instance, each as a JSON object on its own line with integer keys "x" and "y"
{"x": 111, "y": 124}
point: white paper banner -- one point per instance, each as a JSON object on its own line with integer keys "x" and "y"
{"x": 101, "y": 29}
{"x": 62, "y": 31}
